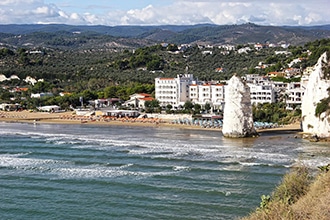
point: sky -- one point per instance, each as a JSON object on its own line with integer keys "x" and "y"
{"x": 164, "y": 12}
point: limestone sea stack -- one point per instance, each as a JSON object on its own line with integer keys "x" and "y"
{"x": 316, "y": 90}
{"x": 237, "y": 117}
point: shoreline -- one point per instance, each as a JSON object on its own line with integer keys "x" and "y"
{"x": 70, "y": 118}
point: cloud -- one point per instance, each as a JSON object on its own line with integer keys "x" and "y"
{"x": 179, "y": 12}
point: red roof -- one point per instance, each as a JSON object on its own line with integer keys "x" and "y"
{"x": 21, "y": 89}
{"x": 144, "y": 94}
{"x": 147, "y": 99}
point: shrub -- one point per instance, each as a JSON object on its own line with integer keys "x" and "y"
{"x": 293, "y": 186}
{"x": 322, "y": 106}
{"x": 279, "y": 206}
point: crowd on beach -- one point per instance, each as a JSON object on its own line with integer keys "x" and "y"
{"x": 85, "y": 119}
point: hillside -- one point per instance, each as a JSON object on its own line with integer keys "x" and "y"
{"x": 137, "y": 36}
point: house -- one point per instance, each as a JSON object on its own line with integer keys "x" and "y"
{"x": 244, "y": 50}
{"x": 276, "y": 74}
{"x": 138, "y": 100}
{"x": 292, "y": 72}
{"x": 220, "y": 70}
{"x": 19, "y": 90}
{"x": 64, "y": 93}
{"x": 258, "y": 46}
{"x": 49, "y": 108}
{"x": 256, "y": 79}
{"x": 41, "y": 95}
{"x": 9, "y": 107}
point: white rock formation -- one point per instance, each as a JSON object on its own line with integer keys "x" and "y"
{"x": 237, "y": 118}
{"x": 315, "y": 91}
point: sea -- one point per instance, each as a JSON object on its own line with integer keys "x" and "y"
{"x": 86, "y": 171}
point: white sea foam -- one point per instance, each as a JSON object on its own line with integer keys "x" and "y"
{"x": 102, "y": 172}
{"x": 261, "y": 153}
{"x": 65, "y": 169}
{"x": 18, "y": 162}
{"x": 181, "y": 168}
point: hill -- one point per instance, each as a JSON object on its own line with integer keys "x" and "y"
{"x": 137, "y": 36}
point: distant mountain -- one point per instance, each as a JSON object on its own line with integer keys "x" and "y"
{"x": 60, "y": 35}
{"x": 251, "y": 33}
{"x": 116, "y": 31}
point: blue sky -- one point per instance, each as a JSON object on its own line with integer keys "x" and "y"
{"x": 161, "y": 12}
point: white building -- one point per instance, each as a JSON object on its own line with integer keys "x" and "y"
{"x": 176, "y": 91}
{"x": 173, "y": 91}
{"x": 41, "y": 95}
{"x": 295, "y": 93}
{"x": 218, "y": 95}
{"x": 138, "y": 100}
{"x": 262, "y": 94}
{"x": 49, "y": 108}
{"x": 212, "y": 93}
{"x": 256, "y": 79}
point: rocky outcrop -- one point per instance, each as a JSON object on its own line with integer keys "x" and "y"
{"x": 316, "y": 90}
{"x": 237, "y": 118}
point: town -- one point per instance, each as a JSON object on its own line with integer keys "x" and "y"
{"x": 184, "y": 93}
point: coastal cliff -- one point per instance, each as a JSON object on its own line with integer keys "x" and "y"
{"x": 314, "y": 122}
{"x": 238, "y": 119}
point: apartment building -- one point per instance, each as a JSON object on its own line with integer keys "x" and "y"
{"x": 256, "y": 79}
{"x": 262, "y": 93}
{"x": 212, "y": 93}
{"x": 173, "y": 91}
{"x": 294, "y": 93}
{"x": 176, "y": 91}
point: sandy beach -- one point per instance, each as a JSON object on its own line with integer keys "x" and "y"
{"x": 71, "y": 118}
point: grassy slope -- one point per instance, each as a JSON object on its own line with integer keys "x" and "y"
{"x": 297, "y": 197}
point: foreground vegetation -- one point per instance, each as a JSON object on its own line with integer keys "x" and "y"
{"x": 299, "y": 196}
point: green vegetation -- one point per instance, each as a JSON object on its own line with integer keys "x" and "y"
{"x": 275, "y": 113}
{"x": 299, "y": 196}
{"x": 120, "y": 72}
{"x": 323, "y": 105}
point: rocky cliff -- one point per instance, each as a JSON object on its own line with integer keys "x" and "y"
{"x": 316, "y": 90}
{"x": 237, "y": 118}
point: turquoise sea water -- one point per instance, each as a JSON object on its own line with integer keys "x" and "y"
{"x": 52, "y": 171}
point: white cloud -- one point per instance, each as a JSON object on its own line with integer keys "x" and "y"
{"x": 280, "y": 12}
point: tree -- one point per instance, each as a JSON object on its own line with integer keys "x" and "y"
{"x": 172, "y": 47}
{"x": 207, "y": 107}
{"x": 154, "y": 64}
{"x": 89, "y": 95}
{"x": 41, "y": 86}
{"x": 197, "y": 108}
{"x": 5, "y": 95}
{"x": 188, "y": 106}
{"x": 152, "y": 106}
{"x": 169, "y": 108}
{"x": 110, "y": 92}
